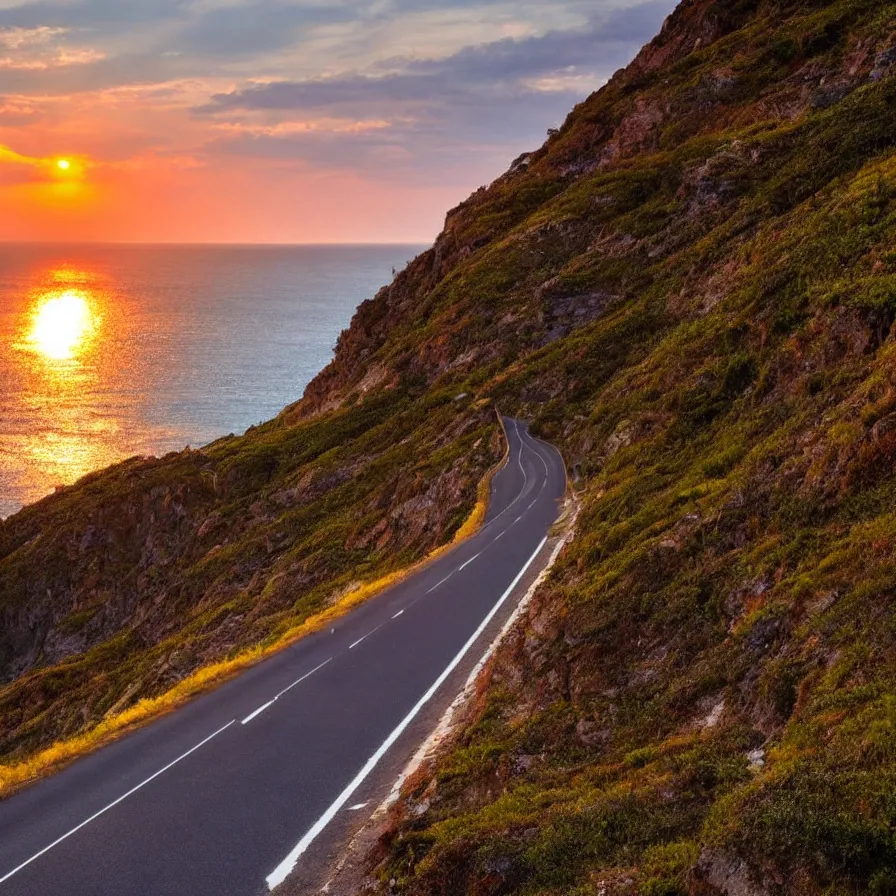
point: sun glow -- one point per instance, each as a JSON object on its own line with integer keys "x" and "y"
{"x": 62, "y": 325}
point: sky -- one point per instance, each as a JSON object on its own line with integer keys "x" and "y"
{"x": 284, "y": 121}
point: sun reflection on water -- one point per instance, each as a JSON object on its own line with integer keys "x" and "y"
{"x": 62, "y": 325}
{"x": 62, "y": 427}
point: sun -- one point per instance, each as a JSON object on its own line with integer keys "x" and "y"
{"x": 61, "y": 326}
{"x": 63, "y": 164}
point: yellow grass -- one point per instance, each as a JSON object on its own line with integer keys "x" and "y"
{"x": 475, "y": 520}
{"x": 25, "y": 771}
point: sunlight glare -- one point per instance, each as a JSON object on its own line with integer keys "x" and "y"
{"x": 62, "y": 325}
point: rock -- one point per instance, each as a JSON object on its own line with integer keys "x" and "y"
{"x": 622, "y": 437}
{"x": 827, "y": 95}
{"x": 591, "y": 733}
{"x": 726, "y": 875}
{"x": 521, "y": 163}
{"x": 374, "y": 377}
{"x": 756, "y": 758}
{"x": 882, "y": 64}
{"x": 712, "y": 718}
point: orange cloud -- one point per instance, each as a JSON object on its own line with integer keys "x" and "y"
{"x": 242, "y": 121}
{"x": 38, "y": 50}
{"x": 59, "y": 59}
{"x": 54, "y": 168}
{"x": 287, "y": 128}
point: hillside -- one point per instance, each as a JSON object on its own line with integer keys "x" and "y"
{"x": 690, "y": 290}
{"x": 122, "y": 586}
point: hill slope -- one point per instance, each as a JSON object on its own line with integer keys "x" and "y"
{"x": 691, "y": 290}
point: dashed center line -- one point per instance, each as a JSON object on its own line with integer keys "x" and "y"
{"x": 286, "y": 867}
{"x": 270, "y": 703}
{"x": 257, "y": 712}
{"x": 372, "y": 632}
{"x": 465, "y": 565}
{"x": 526, "y": 441}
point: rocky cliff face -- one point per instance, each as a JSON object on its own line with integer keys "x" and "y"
{"x": 120, "y": 587}
{"x": 691, "y": 289}
{"x": 729, "y": 89}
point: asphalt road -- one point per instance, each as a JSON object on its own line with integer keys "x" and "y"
{"x": 224, "y": 796}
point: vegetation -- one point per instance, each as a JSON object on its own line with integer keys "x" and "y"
{"x": 691, "y": 290}
{"x": 138, "y": 579}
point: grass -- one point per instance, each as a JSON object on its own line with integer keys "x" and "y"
{"x": 689, "y": 290}
{"x": 16, "y": 775}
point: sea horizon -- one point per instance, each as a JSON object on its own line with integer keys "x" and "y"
{"x": 224, "y": 244}
{"x": 111, "y": 350}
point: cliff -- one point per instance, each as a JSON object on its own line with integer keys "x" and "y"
{"x": 120, "y": 587}
{"x": 691, "y": 290}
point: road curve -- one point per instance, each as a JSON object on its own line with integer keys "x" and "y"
{"x": 224, "y": 796}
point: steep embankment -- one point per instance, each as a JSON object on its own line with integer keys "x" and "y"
{"x": 690, "y": 289}
{"x": 122, "y": 586}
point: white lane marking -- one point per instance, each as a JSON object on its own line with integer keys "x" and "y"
{"x": 555, "y": 454}
{"x": 519, "y": 459}
{"x": 300, "y": 680}
{"x": 257, "y": 712}
{"x": 270, "y": 703}
{"x": 533, "y": 448}
{"x": 372, "y": 632}
{"x": 465, "y": 565}
{"x": 357, "y": 808}
{"x": 114, "y": 803}
{"x": 500, "y": 534}
{"x": 395, "y": 734}
{"x": 516, "y": 426}
{"x": 523, "y": 443}
{"x": 547, "y": 472}
{"x": 285, "y": 868}
{"x": 439, "y": 584}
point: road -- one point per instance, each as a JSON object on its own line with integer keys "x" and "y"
{"x": 224, "y": 796}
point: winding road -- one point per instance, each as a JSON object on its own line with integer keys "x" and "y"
{"x": 229, "y": 795}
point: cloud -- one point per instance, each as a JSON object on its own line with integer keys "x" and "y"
{"x": 290, "y": 128}
{"x": 102, "y": 15}
{"x": 417, "y": 100}
{"x": 41, "y": 48}
{"x": 18, "y": 38}
{"x": 499, "y": 67}
{"x": 17, "y": 110}
{"x": 247, "y": 29}
{"x": 487, "y": 101}
{"x": 61, "y": 58}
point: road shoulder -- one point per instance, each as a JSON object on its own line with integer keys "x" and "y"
{"x": 341, "y": 863}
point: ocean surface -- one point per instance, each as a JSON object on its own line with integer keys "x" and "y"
{"x": 111, "y": 351}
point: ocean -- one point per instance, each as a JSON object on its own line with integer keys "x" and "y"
{"x": 111, "y": 351}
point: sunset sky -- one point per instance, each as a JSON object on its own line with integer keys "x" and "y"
{"x": 279, "y": 121}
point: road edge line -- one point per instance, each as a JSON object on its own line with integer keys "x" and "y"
{"x": 207, "y": 679}
{"x": 449, "y": 723}
{"x": 287, "y": 866}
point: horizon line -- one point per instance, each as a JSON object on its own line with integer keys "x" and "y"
{"x": 200, "y": 244}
